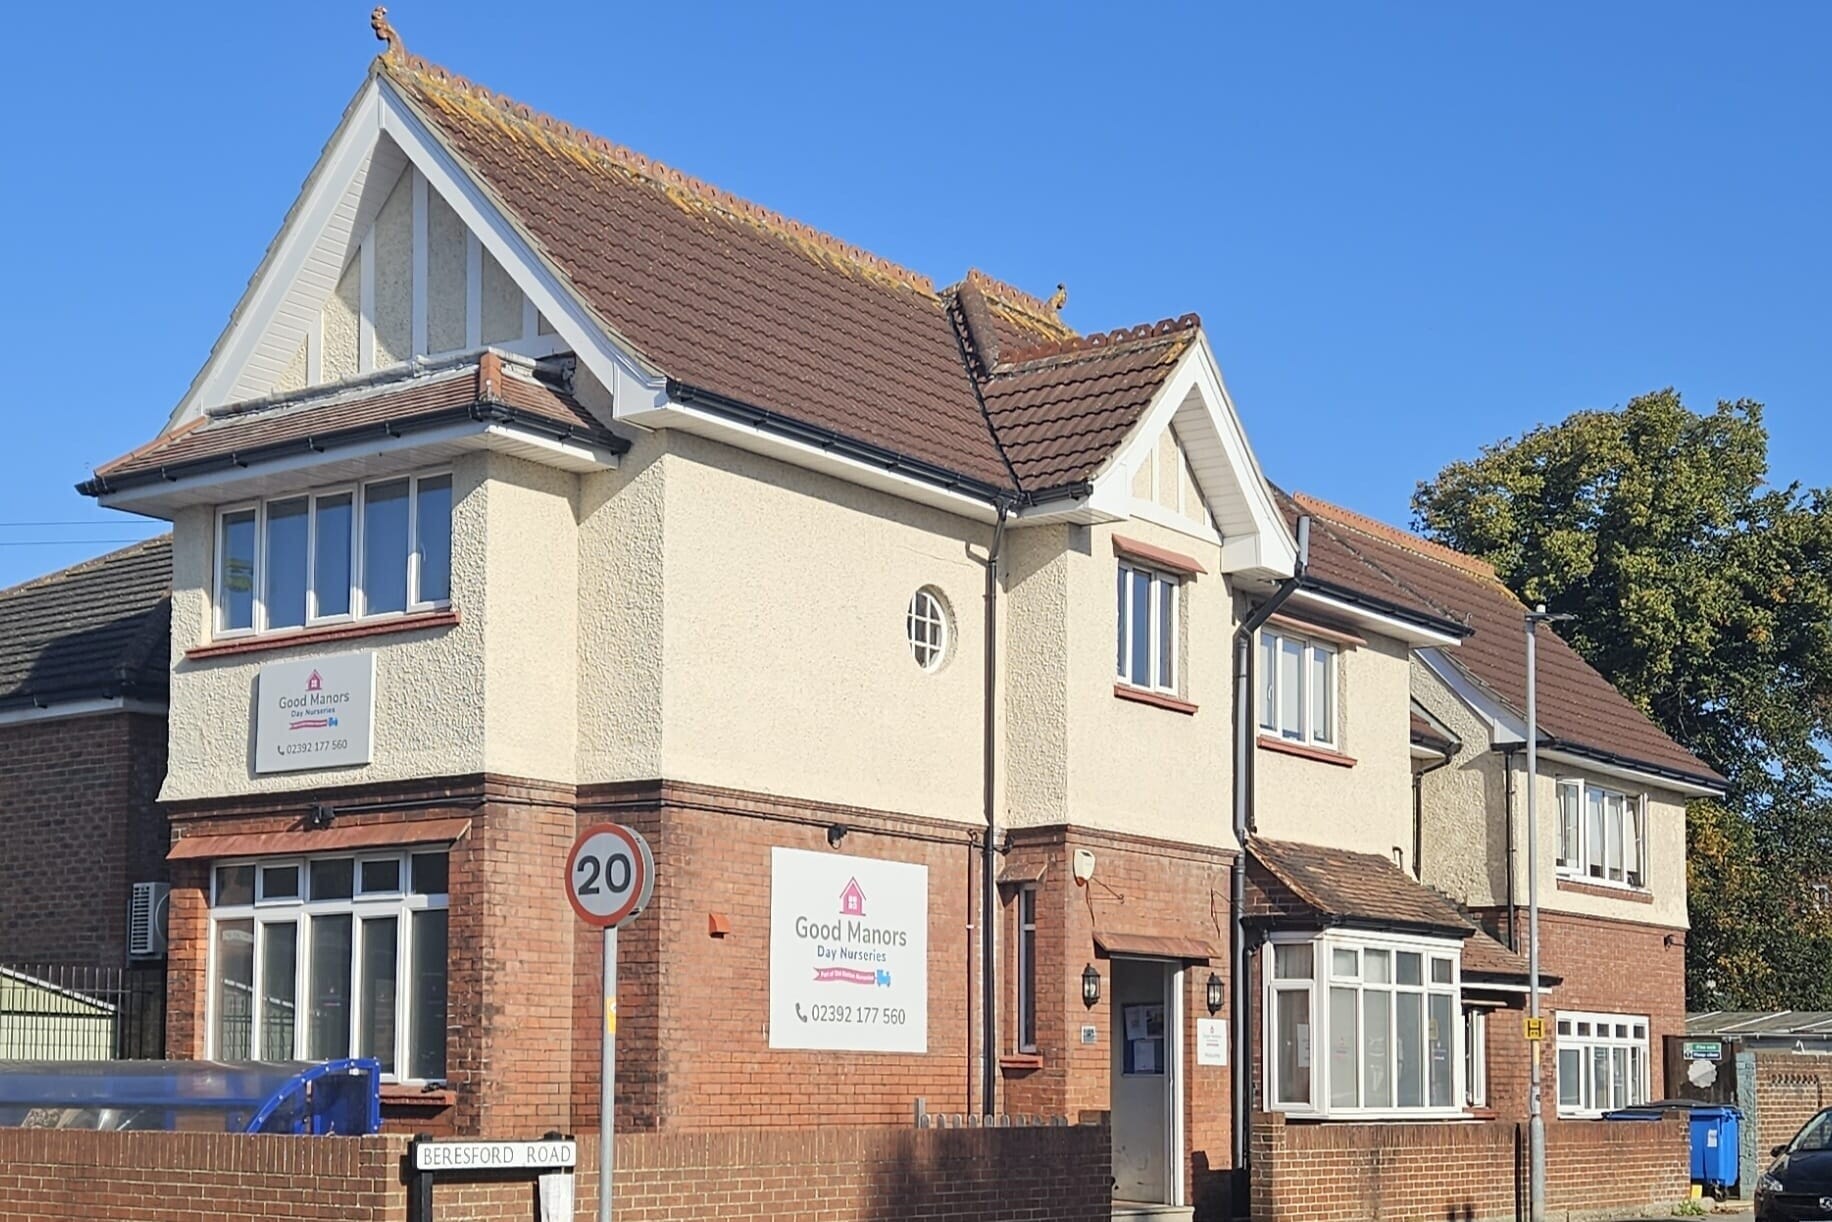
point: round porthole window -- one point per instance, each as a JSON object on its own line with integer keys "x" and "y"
{"x": 926, "y": 624}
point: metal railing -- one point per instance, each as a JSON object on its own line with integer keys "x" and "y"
{"x": 76, "y": 1012}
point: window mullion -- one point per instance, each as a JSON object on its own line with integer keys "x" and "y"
{"x": 359, "y": 538}
{"x": 413, "y": 542}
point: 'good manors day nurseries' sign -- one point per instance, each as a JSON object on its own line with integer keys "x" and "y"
{"x": 316, "y": 713}
{"x": 849, "y": 953}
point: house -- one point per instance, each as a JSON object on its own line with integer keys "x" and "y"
{"x": 587, "y": 491}
{"x": 83, "y": 680}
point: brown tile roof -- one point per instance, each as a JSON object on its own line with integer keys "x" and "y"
{"x": 101, "y": 628}
{"x": 396, "y": 398}
{"x": 1578, "y": 708}
{"x": 1358, "y": 888}
{"x": 1486, "y": 959}
{"x": 727, "y": 298}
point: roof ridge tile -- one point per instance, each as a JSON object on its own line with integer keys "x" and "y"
{"x": 1031, "y": 307}
{"x": 1077, "y": 344}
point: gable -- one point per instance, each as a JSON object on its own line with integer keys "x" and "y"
{"x": 414, "y": 281}
{"x": 1165, "y": 489}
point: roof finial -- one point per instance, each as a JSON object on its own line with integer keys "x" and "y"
{"x": 378, "y": 21}
{"x": 1058, "y": 299}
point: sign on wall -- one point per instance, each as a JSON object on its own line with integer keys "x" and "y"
{"x": 849, "y": 953}
{"x": 316, "y": 713}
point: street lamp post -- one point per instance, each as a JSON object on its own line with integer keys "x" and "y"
{"x": 1536, "y": 1121}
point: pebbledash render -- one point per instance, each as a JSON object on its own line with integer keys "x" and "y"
{"x": 535, "y": 484}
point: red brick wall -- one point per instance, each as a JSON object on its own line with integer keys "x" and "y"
{"x": 510, "y": 970}
{"x": 693, "y": 1009}
{"x": 1608, "y": 966}
{"x": 1790, "y": 1089}
{"x": 62, "y": 1175}
{"x": 1140, "y": 886}
{"x": 753, "y": 1175}
{"x": 77, "y": 805}
{"x": 1466, "y": 1172}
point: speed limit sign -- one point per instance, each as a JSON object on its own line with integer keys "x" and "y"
{"x": 610, "y": 875}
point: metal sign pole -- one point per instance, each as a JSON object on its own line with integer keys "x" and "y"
{"x": 607, "y": 1078}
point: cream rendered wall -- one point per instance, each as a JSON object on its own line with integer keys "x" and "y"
{"x": 393, "y": 242}
{"x": 340, "y": 323}
{"x": 502, "y": 303}
{"x": 445, "y": 275}
{"x": 1462, "y": 805}
{"x": 1135, "y": 767}
{"x": 493, "y": 693}
{"x": 621, "y": 520}
{"x": 1368, "y": 807}
{"x": 785, "y": 662}
{"x": 1447, "y": 802}
{"x": 1035, "y": 651}
{"x": 531, "y": 619}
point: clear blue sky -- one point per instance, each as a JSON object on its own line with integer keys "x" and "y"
{"x": 1410, "y": 229}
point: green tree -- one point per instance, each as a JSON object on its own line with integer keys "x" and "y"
{"x": 1705, "y": 594}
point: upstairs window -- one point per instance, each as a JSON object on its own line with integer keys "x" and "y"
{"x": 381, "y": 548}
{"x": 1147, "y": 628}
{"x": 1297, "y": 684}
{"x": 1602, "y": 834}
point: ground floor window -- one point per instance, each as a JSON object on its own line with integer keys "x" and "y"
{"x": 1602, "y": 1062}
{"x": 335, "y": 956}
{"x": 1364, "y": 1025}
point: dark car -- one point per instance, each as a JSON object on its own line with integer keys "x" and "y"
{"x": 1798, "y": 1187}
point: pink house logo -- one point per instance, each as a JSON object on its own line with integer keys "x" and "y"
{"x": 852, "y": 900}
{"x": 314, "y": 683}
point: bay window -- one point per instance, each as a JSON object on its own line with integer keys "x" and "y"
{"x": 1297, "y": 681}
{"x": 332, "y": 957}
{"x": 1147, "y": 628}
{"x": 1602, "y": 1062}
{"x": 1602, "y": 834}
{"x": 1364, "y": 1025}
{"x": 381, "y": 548}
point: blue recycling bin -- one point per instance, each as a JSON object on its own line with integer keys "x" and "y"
{"x": 1716, "y": 1141}
{"x": 1716, "y": 1134}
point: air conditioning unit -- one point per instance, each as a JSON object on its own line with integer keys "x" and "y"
{"x": 146, "y": 917}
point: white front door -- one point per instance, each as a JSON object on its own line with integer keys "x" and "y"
{"x": 1144, "y": 1080}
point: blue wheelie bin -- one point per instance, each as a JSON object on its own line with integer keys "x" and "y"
{"x": 1716, "y": 1139}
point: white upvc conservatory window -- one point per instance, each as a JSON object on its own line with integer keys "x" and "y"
{"x": 1364, "y": 1025}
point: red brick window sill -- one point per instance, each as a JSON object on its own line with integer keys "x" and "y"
{"x": 420, "y": 621}
{"x": 1160, "y": 700}
{"x": 1020, "y": 1062}
{"x": 1320, "y": 754}
{"x": 1633, "y": 895}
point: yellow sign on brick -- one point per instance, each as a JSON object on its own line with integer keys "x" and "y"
{"x": 1536, "y": 1028}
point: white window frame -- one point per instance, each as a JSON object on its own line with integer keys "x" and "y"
{"x": 1475, "y": 1056}
{"x": 1623, "y": 814}
{"x": 1164, "y": 585}
{"x": 913, "y": 619}
{"x": 1319, "y": 987}
{"x": 1025, "y": 982}
{"x": 300, "y": 913}
{"x": 358, "y": 611}
{"x": 1566, "y": 1038}
{"x": 1272, "y": 697}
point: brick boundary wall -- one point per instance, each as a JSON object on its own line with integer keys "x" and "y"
{"x": 1791, "y": 1088}
{"x": 1449, "y": 1172}
{"x": 1058, "y": 1174}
